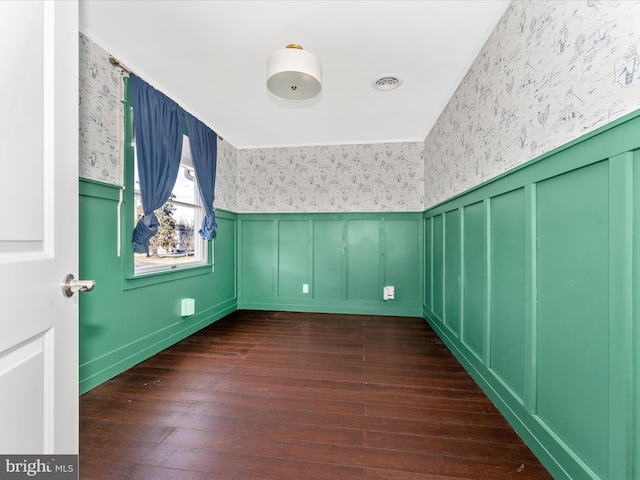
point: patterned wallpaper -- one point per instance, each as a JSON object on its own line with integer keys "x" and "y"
{"x": 100, "y": 115}
{"x": 226, "y": 172}
{"x": 342, "y": 178}
{"x": 550, "y": 72}
{"x": 101, "y": 91}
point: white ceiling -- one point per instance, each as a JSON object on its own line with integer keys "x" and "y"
{"x": 210, "y": 56}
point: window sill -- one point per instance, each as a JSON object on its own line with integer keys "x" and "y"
{"x": 154, "y": 278}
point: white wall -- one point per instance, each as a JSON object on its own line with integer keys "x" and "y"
{"x": 550, "y": 72}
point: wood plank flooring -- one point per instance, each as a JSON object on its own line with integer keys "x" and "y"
{"x": 273, "y": 395}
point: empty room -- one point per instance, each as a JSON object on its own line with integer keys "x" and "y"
{"x": 324, "y": 239}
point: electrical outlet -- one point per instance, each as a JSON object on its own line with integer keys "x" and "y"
{"x": 187, "y": 307}
{"x": 388, "y": 292}
{"x": 305, "y": 288}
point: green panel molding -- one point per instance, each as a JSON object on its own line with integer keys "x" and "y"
{"x": 623, "y": 424}
{"x": 452, "y": 272}
{"x": 633, "y": 375}
{"x": 328, "y": 261}
{"x": 474, "y": 278}
{"x": 345, "y": 259}
{"x": 437, "y": 275}
{"x": 363, "y": 260}
{"x": 293, "y": 258}
{"x": 128, "y": 318}
{"x": 532, "y": 279}
{"x": 399, "y": 266}
{"x": 121, "y": 326}
{"x": 259, "y": 258}
{"x": 550, "y": 296}
{"x": 428, "y": 261}
{"x": 572, "y": 299}
{"x": 507, "y": 250}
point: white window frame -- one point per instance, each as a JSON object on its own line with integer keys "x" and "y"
{"x": 199, "y": 257}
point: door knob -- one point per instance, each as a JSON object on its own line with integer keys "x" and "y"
{"x": 70, "y": 285}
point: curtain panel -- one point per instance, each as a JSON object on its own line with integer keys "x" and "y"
{"x": 204, "y": 146}
{"x": 158, "y": 131}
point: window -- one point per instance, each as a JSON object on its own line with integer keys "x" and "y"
{"x": 177, "y": 243}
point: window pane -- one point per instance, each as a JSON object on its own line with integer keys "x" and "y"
{"x": 177, "y": 243}
{"x": 185, "y": 187}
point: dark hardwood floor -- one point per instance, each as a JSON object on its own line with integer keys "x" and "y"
{"x": 272, "y": 395}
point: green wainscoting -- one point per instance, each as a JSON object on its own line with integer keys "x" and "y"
{"x": 632, "y": 291}
{"x": 533, "y": 281}
{"x": 123, "y": 322}
{"x": 345, "y": 259}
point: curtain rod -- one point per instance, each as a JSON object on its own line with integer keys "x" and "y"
{"x": 115, "y": 62}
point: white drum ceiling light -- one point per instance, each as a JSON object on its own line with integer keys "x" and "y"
{"x": 294, "y": 74}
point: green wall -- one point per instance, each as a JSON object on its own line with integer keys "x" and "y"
{"x": 345, "y": 259}
{"x": 124, "y": 320}
{"x": 532, "y": 281}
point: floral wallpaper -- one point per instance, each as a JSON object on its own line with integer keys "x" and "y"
{"x": 226, "y": 172}
{"x": 382, "y": 177}
{"x": 100, "y": 115}
{"x": 342, "y": 178}
{"x": 101, "y": 91}
{"x": 550, "y": 72}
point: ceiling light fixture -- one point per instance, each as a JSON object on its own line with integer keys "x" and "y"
{"x": 386, "y": 82}
{"x": 294, "y": 74}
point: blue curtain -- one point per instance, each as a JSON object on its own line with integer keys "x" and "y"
{"x": 204, "y": 145}
{"x": 158, "y": 130}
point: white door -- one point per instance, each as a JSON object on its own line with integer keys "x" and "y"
{"x": 38, "y": 227}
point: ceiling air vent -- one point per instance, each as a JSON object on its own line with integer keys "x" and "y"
{"x": 386, "y": 82}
